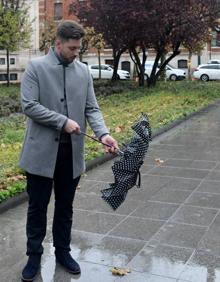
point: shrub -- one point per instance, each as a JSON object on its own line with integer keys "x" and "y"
{"x": 10, "y": 96}
{"x": 108, "y": 87}
{"x": 10, "y": 104}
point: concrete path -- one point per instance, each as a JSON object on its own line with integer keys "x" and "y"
{"x": 167, "y": 231}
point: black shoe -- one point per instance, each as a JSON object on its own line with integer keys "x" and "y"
{"x": 65, "y": 259}
{"x": 31, "y": 268}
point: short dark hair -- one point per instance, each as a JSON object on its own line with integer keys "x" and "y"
{"x": 69, "y": 30}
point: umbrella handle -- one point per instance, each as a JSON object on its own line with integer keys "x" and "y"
{"x": 93, "y": 138}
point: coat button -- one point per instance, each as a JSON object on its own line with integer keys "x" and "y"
{"x": 62, "y": 99}
{"x": 56, "y": 139}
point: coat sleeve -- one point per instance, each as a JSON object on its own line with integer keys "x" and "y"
{"x": 93, "y": 113}
{"x": 30, "y": 101}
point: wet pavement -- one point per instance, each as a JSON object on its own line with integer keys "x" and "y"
{"x": 166, "y": 231}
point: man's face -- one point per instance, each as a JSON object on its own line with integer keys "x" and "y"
{"x": 69, "y": 50}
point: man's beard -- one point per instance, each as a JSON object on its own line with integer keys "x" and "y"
{"x": 70, "y": 60}
{"x": 67, "y": 60}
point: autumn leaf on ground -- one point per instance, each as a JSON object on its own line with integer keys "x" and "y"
{"x": 17, "y": 146}
{"x": 159, "y": 161}
{"x": 16, "y": 177}
{"x": 3, "y": 185}
{"x": 120, "y": 271}
{"x": 9, "y": 174}
{"x": 118, "y": 129}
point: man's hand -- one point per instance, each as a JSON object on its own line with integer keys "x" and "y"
{"x": 107, "y": 139}
{"x": 72, "y": 127}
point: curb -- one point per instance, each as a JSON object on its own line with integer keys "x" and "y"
{"x": 175, "y": 123}
{"x": 13, "y": 202}
{"x": 22, "y": 197}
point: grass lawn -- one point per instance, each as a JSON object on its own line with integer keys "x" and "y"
{"x": 163, "y": 104}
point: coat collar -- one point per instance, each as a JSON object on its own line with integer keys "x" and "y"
{"x": 54, "y": 60}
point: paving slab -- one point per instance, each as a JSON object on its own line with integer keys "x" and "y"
{"x": 166, "y": 231}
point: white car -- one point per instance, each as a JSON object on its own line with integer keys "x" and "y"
{"x": 214, "y": 61}
{"x": 171, "y": 73}
{"x": 207, "y": 72}
{"x": 107, "y": 72}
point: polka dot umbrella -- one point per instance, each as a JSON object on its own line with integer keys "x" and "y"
{"x": 126, "y": 170}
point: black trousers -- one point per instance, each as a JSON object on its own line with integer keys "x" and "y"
{"x": 39, "y": 190}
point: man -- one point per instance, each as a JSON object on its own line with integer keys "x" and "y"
{"x": 58, "y": 98}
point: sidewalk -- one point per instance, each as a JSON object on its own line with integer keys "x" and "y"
{"x": 167, "y": 231}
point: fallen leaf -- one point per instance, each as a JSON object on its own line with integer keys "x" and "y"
{"x": 9, "y": 174}
{"x": 159, "y": 161}
{"x": 120, "y": 271}
{"x": 3, "y": 185}
{"x": 16, "y": 177}
{"x": 118, "y": 129}
{"x": 78, "y": 187}
{"x": 17, "y": 146}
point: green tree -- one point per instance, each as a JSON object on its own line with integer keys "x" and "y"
{"x": 47, "y": 35}
{"x": 15, "y": 28}
{"x": 92, "y": 39}
{"x": 96, "y": 41}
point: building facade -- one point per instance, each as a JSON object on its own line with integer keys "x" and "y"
{"x": 58, "y": 10}
{"x": 18, "y": 60}
{"x": 41, "y": 11}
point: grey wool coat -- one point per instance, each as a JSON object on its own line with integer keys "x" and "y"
{"x": 42, "y": 95}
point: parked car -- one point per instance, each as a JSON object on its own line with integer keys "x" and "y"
{"x": 171, "y": 72}
{"x": 174, "y": 73}
{"x": 207, "y": 72}
{"x": 214, "y": 61}
{"x": 107, "y": 72}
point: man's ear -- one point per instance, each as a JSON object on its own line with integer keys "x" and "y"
{"x": 58, "y": 44}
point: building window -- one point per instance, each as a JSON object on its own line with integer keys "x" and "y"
{"x": 126, "y": 65}
{"x": 2, "y": 61}
{"x": 12, "y": 61}
{"x": 109, "y": 62}
{"x": 13, "y": 76}
{"x": 58, "y": 11}
{"x": 3, "y": 76}
{"x": 215, "y": 42}
{"x": 182, "y": 64}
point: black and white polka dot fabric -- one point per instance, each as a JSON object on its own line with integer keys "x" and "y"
{"x": 126, "y": 169}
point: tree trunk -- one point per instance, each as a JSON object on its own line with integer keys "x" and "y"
{"x": 140, "y": 66}
{"x": 189, "y": 65}
{"x": 136, "y": 68}
{"x": 155, "y": 75}
{"x": 163, "y": 74}
{"x": 99, "y": 61}
{"x": 144, "y": 58}
{"x": 116, "y": 56}
{"x": 8, "y": 73}
{"x": 199, "y": 58}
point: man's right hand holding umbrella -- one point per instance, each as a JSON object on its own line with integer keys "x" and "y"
{"x": 109, "y": 143}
